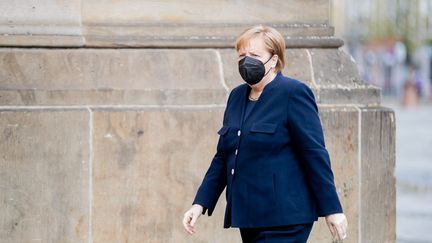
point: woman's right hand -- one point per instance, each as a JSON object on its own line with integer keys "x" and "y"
{"x": 190, "y": 218}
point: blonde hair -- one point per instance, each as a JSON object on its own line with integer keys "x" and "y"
{"x": 273, "y": 40}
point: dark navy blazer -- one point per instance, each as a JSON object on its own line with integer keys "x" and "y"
{"x": 274, "y": 163}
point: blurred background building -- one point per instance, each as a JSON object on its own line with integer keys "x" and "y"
{"x": 391, "y": 41}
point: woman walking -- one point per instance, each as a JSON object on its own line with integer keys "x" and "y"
{"x": 271, "y": 155}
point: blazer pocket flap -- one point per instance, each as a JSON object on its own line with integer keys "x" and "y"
{"x": 223, "y": 130}
{"x": 263, "y": 127}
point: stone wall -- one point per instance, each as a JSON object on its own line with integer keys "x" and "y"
{"x": 109, "y": 116}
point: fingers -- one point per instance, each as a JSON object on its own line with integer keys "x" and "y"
{"x": 193, "y": 220}
{"x": 338, "y": 225}
{"x": 187, "y": 222}
{"x": 344, "y": 228}
{"x": 341, "y": 230}
{"x": 190, "y": 218}
{"x": 341, "y": 234}
{"x": 332, "y": 231}
{"x": 335, "y": 238}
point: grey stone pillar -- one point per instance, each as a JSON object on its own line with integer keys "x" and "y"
{"x": 109, "y": 112}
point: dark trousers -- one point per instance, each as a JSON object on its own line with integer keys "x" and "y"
{"x": 298, "y": 233}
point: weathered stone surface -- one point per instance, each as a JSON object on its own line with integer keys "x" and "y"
{"x": 154, "y": 77}
{"x": 297, "y": 65}
{"x": 108, "y": 76}
{"x": 201, "y": 35}
{"x": 340, "y": 125}
{"x": 378, "y": 183}
{"x": 337, "y": 79}
{"x": 205, "y": 11}
{"x": 334, "y": 67}
{"x": 161, "y": 77}
{"x": 159, "y": 24}
{"x": 112, "y": 97}
{"x": 368, "y": 95}
{"x": 41, "y": 40}
{"x": 291, "y": 41}
{"x": 78, "y": 69}
{"x": 147, "y": 168}
{"x": 49, "y": 22}
{"x": 231, "y": 76}
{"x": 22, "y": 17}
{"x": 149, "y": 163}
{"x": 44, "y": 176}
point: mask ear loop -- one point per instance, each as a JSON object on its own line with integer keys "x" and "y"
{"x": 270, "y": 67}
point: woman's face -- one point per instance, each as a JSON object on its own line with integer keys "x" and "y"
{"x": 255, "y": 48}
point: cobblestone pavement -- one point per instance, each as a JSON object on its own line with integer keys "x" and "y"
{"x": 413, "y": 172}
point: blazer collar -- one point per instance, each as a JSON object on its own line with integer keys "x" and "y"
{"x": 268, "y": 87}
{"x": 263, "y": 97}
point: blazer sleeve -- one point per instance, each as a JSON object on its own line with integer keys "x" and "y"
{"x": 305, "y": 128}
{"x": 215, "y": 179}
{"x": 213, "y": 183}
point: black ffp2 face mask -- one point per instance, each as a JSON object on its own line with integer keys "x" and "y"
{"x": 252, "y": 70}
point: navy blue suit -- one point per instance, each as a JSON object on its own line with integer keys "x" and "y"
{"x": 274, "y": 163}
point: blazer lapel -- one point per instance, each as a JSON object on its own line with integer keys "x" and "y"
{"x": 262, "y": 99}
{"x": 243, "y": 101}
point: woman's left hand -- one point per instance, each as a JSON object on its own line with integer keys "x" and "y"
{"x": 338, "y": 225}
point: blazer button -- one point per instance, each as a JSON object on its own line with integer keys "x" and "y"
{"x": 236, "y": 152}
{"x": 232, "y": 171}
{"x": 239, "y": 133}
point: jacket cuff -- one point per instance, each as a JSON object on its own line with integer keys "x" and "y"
{"x": 206, "y": 207}
{"x": 329, "y": 206}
